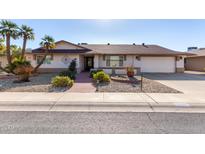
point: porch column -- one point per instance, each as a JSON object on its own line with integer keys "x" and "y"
{"x": 96, "y": 61}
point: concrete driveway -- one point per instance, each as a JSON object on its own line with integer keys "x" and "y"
{"x": 188, "y": 82}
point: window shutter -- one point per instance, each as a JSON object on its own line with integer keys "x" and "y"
{"x": 125, "y": 57}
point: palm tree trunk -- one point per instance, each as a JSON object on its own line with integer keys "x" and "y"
{"x": 8, "y": 53}
{"x": 23, "y": 47}
{"x": 40, "y": 63}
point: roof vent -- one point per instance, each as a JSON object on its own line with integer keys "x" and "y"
{"x": 134, "y": 44}
{"x": 143, "y": 44}
{"x": 108, "y": 43}
{"x": 191, "y": 48}
{"x": 84, "y": 43}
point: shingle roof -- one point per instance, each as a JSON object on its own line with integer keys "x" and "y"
{"x": 198, "y": 53}
{"x": 115, "y": 49}
{"x": 132, "y": 49}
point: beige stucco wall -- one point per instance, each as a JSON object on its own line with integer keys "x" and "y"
{"x": 58, "y": 62}
{"x": 164, "y": 64}
{"x": 195, "y": 63}
{"x": 130, "y": 61}
{"x": 180, "y": 63}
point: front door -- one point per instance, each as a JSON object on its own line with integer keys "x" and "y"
{"x": 88, "y": 63}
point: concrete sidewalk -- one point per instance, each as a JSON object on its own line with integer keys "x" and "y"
{"x": 102, "y": 102}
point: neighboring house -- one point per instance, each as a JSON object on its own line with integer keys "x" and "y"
{"x": 196, "y": 62}
{"x": 144, "y": 58}
{"x": 3, "y": 58}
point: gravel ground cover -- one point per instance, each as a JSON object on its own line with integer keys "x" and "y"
{"x": 38, "y": 83}
{"x": 149, "y": 86}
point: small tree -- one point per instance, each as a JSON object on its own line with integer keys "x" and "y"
{"x": 72, "y": 66}
{"x": 47, "y": 43}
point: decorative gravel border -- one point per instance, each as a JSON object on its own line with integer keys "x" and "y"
{"x": 38, "y": 83}
{"x": 149, "y": 86}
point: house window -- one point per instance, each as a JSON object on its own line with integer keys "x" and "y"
{"x": 114, "y": 61}
{"x": 46, "y": 61}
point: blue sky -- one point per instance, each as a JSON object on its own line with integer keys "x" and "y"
{"x": 173, "y": 34}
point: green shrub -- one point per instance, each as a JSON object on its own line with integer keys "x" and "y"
{"x": 62, "y": 81}
{"x": 69, "y": 74}
{"x": 101, "y": 76}
{"x": 106, "y": 78}
{"x": 72, "y": 66}
{"x": 94, "y": 72}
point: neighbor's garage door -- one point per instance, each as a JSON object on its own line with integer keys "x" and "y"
{"x": 158, "y": 64}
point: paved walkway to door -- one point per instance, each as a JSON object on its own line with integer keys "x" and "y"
{"x": 83, "y": 84}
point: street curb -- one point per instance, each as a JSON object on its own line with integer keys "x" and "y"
{"x": 99, "y": 106}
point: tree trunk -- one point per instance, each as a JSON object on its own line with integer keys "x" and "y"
{"x": 23, "y": 48}
{"x": 41, "y": 62}
{"x": 8, "y": 53}
{"x": 4, "y": 70}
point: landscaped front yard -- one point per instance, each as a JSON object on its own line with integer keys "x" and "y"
{"x": 122, "y": 83}
{"x": 148, "y": 86}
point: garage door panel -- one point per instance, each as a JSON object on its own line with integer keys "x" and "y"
{"x": 158, "y": 64}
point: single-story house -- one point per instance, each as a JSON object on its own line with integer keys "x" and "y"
{"x": 144, "y": 58}
{"x": 196, "y": 62}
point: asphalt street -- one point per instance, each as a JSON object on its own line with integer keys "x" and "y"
{"x": 100, "y": 123}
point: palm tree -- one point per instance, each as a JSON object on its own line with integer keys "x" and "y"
{"x": 47, "y": 43}
{"x": 8, "y": 30}
{"x": 27, "y": 34}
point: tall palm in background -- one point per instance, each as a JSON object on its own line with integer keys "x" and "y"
{"x": 47, "y": 43}
{"x": 26, "y": 33}
{"x": 8, "y": 30}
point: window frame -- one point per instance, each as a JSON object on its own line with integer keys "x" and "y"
{"x": 109, "y": 60}
{"x": 48, "y": 58}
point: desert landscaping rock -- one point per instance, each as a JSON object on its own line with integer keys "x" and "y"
{"x": 38, "y": 83}
{"x": 149, "y": 86}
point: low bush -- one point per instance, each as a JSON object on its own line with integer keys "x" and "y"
{"x": 23, "y": 72}
{"x": 22, "y": 68}
{"x": 94, "y": 72}
{"x": 62, "y": 81}
{"x": 101, "y": 77}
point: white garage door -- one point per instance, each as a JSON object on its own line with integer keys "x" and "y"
{"x": 158, "y": 64}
